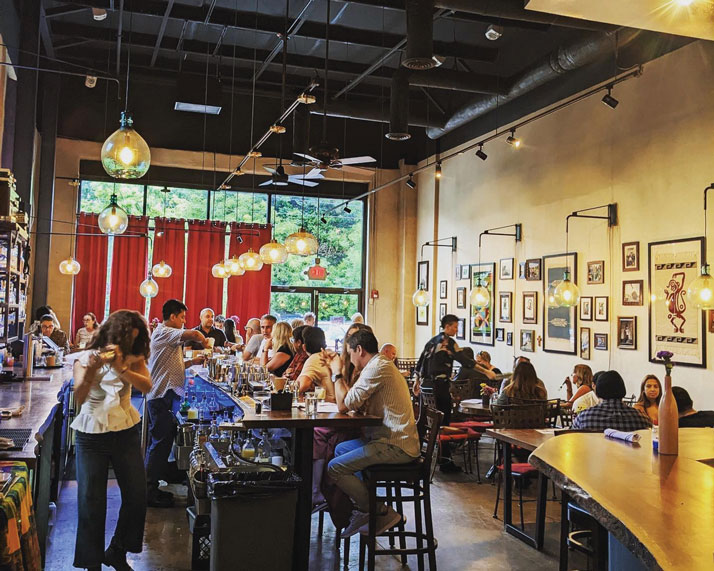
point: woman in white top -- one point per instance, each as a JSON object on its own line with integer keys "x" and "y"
{"x": 108, "y": 430}
{"x": 86, "y": 334}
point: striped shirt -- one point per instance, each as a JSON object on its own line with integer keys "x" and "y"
{"x": 381, "y": 391}
{"x": 166, "y": 362}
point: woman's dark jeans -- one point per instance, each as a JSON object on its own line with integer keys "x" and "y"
{"x": 94, "y": 454}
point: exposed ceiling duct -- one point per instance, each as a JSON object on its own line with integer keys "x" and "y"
{"x": 420, "y": 35}
{"x": 399, "y": 107}
{"x": 557, "y": 63}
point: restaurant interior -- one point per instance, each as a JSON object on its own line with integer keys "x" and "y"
{"x": 520, "y": 185}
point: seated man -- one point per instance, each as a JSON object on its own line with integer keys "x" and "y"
{"x": 253, "y": 339}
{"x": 389, "y": 351}
{"x": 688, "y": 417}
{"x": 611, "y": 412}
{"x": 380, "y": 391}
{"x": 207, "y": 328}
{"x": 55, "y": 334}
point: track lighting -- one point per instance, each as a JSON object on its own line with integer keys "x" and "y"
{"x": 480, "y": 154}
{"x": 513, "y": 140}
{"x": 277, "y": 129}
{"x": 410, "y": 183}
{"x": 99, "y": 14}
{"x": 323, "y": 220}
{"x": 609, "y": 100}
{"x": 347, "y": 209}
{"x": 240, "y": 239}
{"x": 437, "y": 172}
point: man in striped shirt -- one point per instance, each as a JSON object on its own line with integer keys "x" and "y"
{"x": 380, "y": 391}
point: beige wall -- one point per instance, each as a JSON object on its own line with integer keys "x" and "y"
{"x": 652, "y": 155}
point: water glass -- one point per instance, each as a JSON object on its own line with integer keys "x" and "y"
{"x": 320, "y": 393}
{"x": 310, "y": 404}
{"x": 262, "y": 397}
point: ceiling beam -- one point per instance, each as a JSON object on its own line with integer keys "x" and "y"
{"x": 162, "y": 31}
{"x": 45, "y": 34}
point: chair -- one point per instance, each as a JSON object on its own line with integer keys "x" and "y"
{"x": 395, "y": 479}
{"x": 407, "y": 365}
{"x": 630, "y": 401}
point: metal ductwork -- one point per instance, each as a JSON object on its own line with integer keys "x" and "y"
{"x": 420, "y": 35}
{"x": 554, "y": 65}
{"x": 458, "y": 81}
{"x": 399, "y": 107}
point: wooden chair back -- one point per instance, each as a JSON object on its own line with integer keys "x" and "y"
{"x": 428, "y": 428}
{"x": 519, "y": 415}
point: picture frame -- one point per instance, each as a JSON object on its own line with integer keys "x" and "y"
{"x": 457, "y": 273}
{"x": 585, "y": 343}
{"x": 631, "y": 257}
{"x": 600, "y": 341}
{"x": 505, "y": 305}
{"x": 465, "y": 272}
{"x": 528, "y": 340}
{"x": 586, "y": 308}
{"x": 632, "y": 292}
{"x": 461, "y": 330}
{"x": 530, "y": 307}
{"x": 443, "y": 289}
{"x": 423, "y": 275}
{"x": 596, "y": 272}
{"x": 500, "y": 334}
{"x": 676, "y": 325}
{"x": 533, "y": 270}
{"x": 521, "y": 270}
{"x": 627, "y": 333}
{"x": 442, "y": 310}
{"x": 560, "y": 324}
{"x": 505, "y": 268}
{"x": 711, "y": 320}
{"x": 602, "y": 308}
{"x": 461, "y": 298}
{"x": 482, "y": 320}
{"x": 422, "y": 315}
{"x": 509, "y": 338}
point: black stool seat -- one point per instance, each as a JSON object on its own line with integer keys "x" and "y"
{"x": 408, "y": 471}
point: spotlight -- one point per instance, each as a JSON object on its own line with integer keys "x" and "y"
{"x": 323, "y": 220}
{"x": 99, "y": 14}
{"x": 513, "y": 140}
{"x": 410, "y": 183}
{"x": 347, "y": 209}
{"x": 494, "y": 32}
{"x": 609, "y": 100}
{"x": 240, "y": 239}
{"x": 480, "y": 154}
{"x": 90, "y": 81}
{"x": 437, "y": 172}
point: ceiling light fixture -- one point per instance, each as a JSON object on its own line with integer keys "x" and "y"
{"x": 347, "y": 209}
{"x": 437, "y": 171}
{"x": 480, "y": 154}
{"x": 273, "y": 253}
{"x": 277, "y": 129}
{"x": 234, "y": 267}
{"x": 301, "y": 243}
{"x": 161, "y": 270}
{"x": 410, "y": 183}
{"x": 609, "y": 100}
{"x": 493, "y": 32}
{"x": 323, "y": 220}
{"x": 149, "y": 288}
{"x": 513, "y": 140}
{"x": 69, "y": 267}
{"x": 99, "y": 14}
{"x": 421, "y": 296}
{"x": 113, "y": 219}
{"x": 701, "y": 291}
{"x": 220, "y": 270}
{"x": 251, "y": 261}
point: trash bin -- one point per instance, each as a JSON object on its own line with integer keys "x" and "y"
{"x": 253, "y": 518}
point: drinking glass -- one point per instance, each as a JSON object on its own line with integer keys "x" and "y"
{"x": 310, "y": 404}
{"x": 320, "y": 393}
{"x": 263, "y": 397}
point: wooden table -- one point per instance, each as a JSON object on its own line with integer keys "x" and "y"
{"x": 530, "y": 439}
{"x": 660, "y": 507}
{"x": 474, "y": 407}
{"x": 303, "y": 425}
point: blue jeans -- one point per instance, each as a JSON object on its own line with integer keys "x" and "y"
{"x": 94, "y": 453}
{"x": 162, "y": 431}
{"x": 352, "y": 456}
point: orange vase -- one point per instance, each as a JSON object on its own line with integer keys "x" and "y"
{"x": 668, "y": 421}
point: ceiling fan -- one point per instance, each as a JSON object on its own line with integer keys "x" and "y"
{"x": 278, "y": 177}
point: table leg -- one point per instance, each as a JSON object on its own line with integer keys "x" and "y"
{"x": 540, "y": 510}
{"x": 303, "y": 467}
{"x": 536, "y": 541}
{"x": 564, "y": 530}
{"x": 507, "y": 487}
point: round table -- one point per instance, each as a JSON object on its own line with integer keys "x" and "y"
{"x": 474, "y": 407}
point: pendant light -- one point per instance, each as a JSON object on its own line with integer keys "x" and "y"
{"x": 69, "y": 267}
{"x": 550, "y": 297}
{"x": 251, "y": 261}
{"x": 480, "y": 296}
{"x": 149, "y": 288}
{"x": 566, "y": 293}
{"x": 220, "y": 270}
{"x": 701, "y": 291}
{"x": 162, "y": 269}
{"x": 234, "y": 267}
{"x": 421, "y": 297}
{"x": 113, "y": 219}
{"x": 125, "y": 153}
{"x": 273, "y": 253}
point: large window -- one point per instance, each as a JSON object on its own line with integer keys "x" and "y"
{"x": 96, "y": 195}
{"x": 240, "y": 207}
{"x": 188, "y": 203}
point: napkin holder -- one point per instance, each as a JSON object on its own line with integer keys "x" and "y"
{"x": 281, "y": 401}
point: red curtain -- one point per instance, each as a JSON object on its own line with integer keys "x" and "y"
{"x": 206, "y": 246}
{"x": 90, "y": 284}
{"x": 171, "y": 248}
{"x": 249, "y": 294}
{"x": 129, "y": 266}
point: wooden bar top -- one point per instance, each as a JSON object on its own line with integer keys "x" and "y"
{"x": 660, "y": 507}
{"x": 528, "y": 438}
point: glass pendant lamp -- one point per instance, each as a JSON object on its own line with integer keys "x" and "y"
{"x": 235, "y": 268}
{"x": 421, "y": 298}
{"x": 125, "y": 153}
{"x": 566, "y": 293}
{"x": 480, "y": 297}
{"x": 301, "y": 243}
{"x": 220, "y": 270}
{"x": 273, "y": 253}
{"x": 113, "y": 219}
{"x": 69, "y": 267}
{"x": 701, "y": 291}
{"x": 161, "y": 270}
{"x": 149, "y": 288}
{"x": 251, "y": 261}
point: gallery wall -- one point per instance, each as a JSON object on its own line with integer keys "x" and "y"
{"x": 652, "y": 155}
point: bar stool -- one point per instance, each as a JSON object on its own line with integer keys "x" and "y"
{"x": 395, "y": 479}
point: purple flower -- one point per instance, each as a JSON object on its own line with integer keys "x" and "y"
{"x": 666, "y": 356}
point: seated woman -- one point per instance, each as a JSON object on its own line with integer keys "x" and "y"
{"x": 86, "y": 334}
{"x": 584, "y": 396}
{"x": 234, "y": 338}
{"x": 284, "y": 352}
{"x": 650, "y": 393}
{"x": 524, "y": 384}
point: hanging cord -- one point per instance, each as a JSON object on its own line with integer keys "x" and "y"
{"x": 327, "y": 59}
{"x": 128, "y": 62}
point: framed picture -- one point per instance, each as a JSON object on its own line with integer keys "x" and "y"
{"x": 586, "y": 308}
{"x": 631, "y": 257}
{"x": 533, "y": 267}
{"x": 528, "y": 340}
{"x": 461, "y": 331}
{"x": 461, "y": 298}
{"x": 423, "y": 275}
{"x": 481, "y": 326}
{"x": 457, "y": 274}
{"x": 600, "y": 341}
{"x": 559, "y": 323}
{"x": 505, "y": 299}
{"x": 602, "y": 308}
{"x": 530, "y": 307}
{"x": 676, "y": 325}
{"x": 632, "y": 292}
{"x": 500, "y": 335}
{"x": 505, "y": 271}
{"x": 509, "y": 338}
{"x": 522, "y": 270}
{"x": 627, "y": 333}
{"x": 596, "y": 272}
{"x": 423, "y": 315}
{"x": 585, "y": 343}
{"x": 711, "y": 320}
{"x": 465, "y": 272}
{"x": 442, "y": 310}
{"x": 443, "y": 286}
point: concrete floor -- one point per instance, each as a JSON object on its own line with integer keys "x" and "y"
{"x": 469, "y": 538}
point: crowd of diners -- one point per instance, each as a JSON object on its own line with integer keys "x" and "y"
{"x": 125, "y": 353}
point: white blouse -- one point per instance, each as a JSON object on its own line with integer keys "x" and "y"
{"x": 108, "y": 405}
